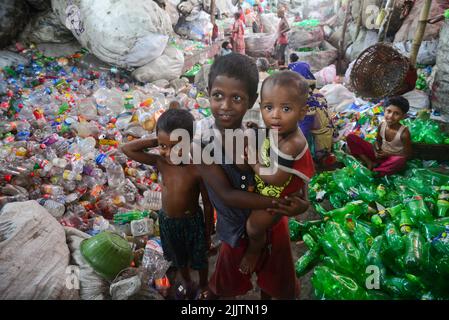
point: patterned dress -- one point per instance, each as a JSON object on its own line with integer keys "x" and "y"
{"x": 238, "y": 40}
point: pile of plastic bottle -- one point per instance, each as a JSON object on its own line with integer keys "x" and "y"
{"x": 61, "y": 123}
{"x": 386, "y": 238}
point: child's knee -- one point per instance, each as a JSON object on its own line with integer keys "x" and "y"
{"x": 253, "y": 229}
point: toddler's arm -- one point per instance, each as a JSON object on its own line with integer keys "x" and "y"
{"x": 135, "y": 151}
{"x": 293, "y": 148}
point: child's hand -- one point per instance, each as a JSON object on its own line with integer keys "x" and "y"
{"x": 250, "y": 155}
{"x": 380, "y": 154}
{"x": 252, "y": 125}
{"x": 292, "y": 205}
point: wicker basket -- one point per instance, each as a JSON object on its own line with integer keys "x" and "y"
{"x": 379, "y": 71}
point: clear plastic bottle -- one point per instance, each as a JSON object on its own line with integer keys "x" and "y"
{"x": 87, "y": 108}
{"x": 7, "y": 126}
{"x": 56, "y": 209}
{"x": 52, "y": 189}
{"x": 115, "y": 175}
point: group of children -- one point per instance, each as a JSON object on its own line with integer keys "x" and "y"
{"x": 252, "y": 206}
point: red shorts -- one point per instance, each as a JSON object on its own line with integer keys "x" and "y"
{"x": 275, "y": 271}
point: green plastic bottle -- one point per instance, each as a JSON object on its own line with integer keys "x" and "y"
{"x": 431, "y": 230}
{"x": 330, "y": 284}
{"x": 381, "y": 191}
{"x": 374, "y": 258}
{"x": 122, "y": 218}
{"x": 310, "y": 242}
{"x": 394, "y": 239}
{"x": 414, "y": 251}
{"x": 405, "y": 223}
{"x": 363, "y": 234}
{"x": 401, "y": 288}
{"x": 297, "y": 228}
{"x": 306, "y": 262}
{"x": 417, "y": 210}
{"x": 315, "y": 232}
{"x": 338, "y": 245}
{"x": 355, "y": 208}
{"x": 293, "y": 229}
{"x": 441, "y": 243}
{"x": 443, "y": 202}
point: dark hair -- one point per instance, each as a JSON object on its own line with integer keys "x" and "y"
{"x": 173, "y": 119}
{"x": 399, "y": 102}
{"x": 262, "y": 64}
{"x": 237, "y": 66}
{"x": 294, "y": 57}
{"x": 237, "y": 15}
{"x": 224, "y": 45}
{"x": 288, "y": 78}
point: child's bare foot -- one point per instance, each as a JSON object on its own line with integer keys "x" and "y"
{"x": 249, "y": 262}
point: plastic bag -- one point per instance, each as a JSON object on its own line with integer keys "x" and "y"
{"x": 326, "y": 76}
{"x": 154, "y": 264}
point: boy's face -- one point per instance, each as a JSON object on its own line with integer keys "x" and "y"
{"x": 229, "y": 101}
{"x": 393, "y": 115}
{"x": 165, "y": 145}
{"x": 282, "y": 108}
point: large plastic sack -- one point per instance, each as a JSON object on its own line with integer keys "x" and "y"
{"x": 370, "y": 10}
{"x": 440, "y": 87}
{"x": 127, "y": 33}
{"x": 46, "y": 27}
{"x": 409, "y": 26}
{"x": 197, "y": 29}
{"x": 335, "y": 37}
{"x": 189, "y": 7}
{"x": 201, "y": 78}
{"x": 8, "y": 58}
{"x": 13, "y": 17}
{"x": 40, "y": 5}
{"x": 366, "y": 39}
{"x": 224, "y": 6}
{"x": 317, "y": 60}
{"x": 269, "y": 22}
{"x": 168, "y": 66}
{"x": 427, "y": 53}
{"x": 326, "y": 75}
{"x": 338, "y": 97}
{"x": 417, "y": 99}
{"x": 300, "y": 38}
{"x": 172, "y": 10}
{"x": 259, "y": 44}
{"x": 34, "y": 255}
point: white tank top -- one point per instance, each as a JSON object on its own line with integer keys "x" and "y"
{"x": 394, "y": 146}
